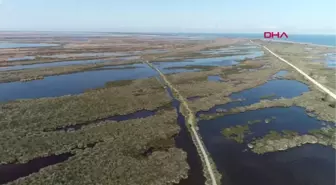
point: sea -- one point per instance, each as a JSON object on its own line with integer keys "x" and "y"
{"x": 328, "y": 40}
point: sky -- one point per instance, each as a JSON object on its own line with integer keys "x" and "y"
{"x": 200, "y": 16}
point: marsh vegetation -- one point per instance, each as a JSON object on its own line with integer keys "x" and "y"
{"x": 108, "y": 141}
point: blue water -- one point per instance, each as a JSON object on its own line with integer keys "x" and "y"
{"x": 331, "y": 60}
{"x": 165, "y": 67}
{"x": 173, "y": 71}
{"x": 138, "y": 65}
{"x": 70, "y": 83}
{"x": 154, "y": 51}
{"x": 281, "y": 73}
{"x": 215, "y": 78}
{"x": 279, "y": 88}
{"x": 292, "y": 118}
{"x": 329, "y": 40}
{"x": 308, "y": 164}
{"x": 135, "y": 115}
{"x": 4, "y": 45}
{"x": 129, "y": 58}
{"x": 218, "y": 61}
{"x": 21, "y": 58}
{"x": 75, "y": 83}
{"x": 240, "y": 166}
{"x": 50, "y": 64}
{"x": 306, "y": 38}
{"x": 106, "y": 54}
{"x": 231, "y": 49}
{"x": 331, "y": 63}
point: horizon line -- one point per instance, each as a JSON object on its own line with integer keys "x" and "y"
{"x": 162, "y": 32}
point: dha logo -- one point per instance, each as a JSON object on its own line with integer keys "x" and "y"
{"x": 270, "y": 35}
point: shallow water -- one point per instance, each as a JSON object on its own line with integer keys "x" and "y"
{"x": 215, "y": 78}
{"x": 245, "y": 168}
{"x": 166, "y": 66}
{"x": 67, "y": 84}
{"x": 281, "y": 73}
{"x": 275, "y": 89}
{"x": 310, "y": 164}
{"x": 51, "y": 64}
{"x": 231, "y": 49}
{"x": 154, "y": 51}
{"x": 218, "y": 61}
{"x": 5, "y": 45}
{"x": 330, "y": 60}
{"x": 331, "y": 63}
{"x": 193, "y": 98}
{"x": 220, "y": 51}
{"x": 184, "y": 141}
{"x": 292, "y": 118}
{"x": 106, "y": 54}
{"x": 21, "y": 58}
{"x": 297, "y": 166}
{"x": 239, "y": 166}
{"x": 125, "y": 66}
{"x": 11, "y": 172}
{"x": 75, "y": 83}
{"x": 129, "y": 58}
{"x": 178, "y": 70}
{"x": 134, "y": 115}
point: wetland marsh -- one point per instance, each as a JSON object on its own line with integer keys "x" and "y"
{"x": 113, "y": 120}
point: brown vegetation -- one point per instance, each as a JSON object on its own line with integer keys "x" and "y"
{"x": 40, "y": 73}
{"x": 49, "y": 113}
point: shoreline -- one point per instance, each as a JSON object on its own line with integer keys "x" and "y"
{"x": 303, "y": 43}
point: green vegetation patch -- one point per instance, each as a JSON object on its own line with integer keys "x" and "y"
{"x": 269, "y": 120}
{"x": 117, "y": 68}
{"x": 236, "y": 133}
{"x": 327, "y": 133}
{"x": 130, "y": 152}
{"x": 273, "y": 135}
{"x": 270, "y": 96}
{"x": 251, "y": 122}
{"x": 51, "y": 113}
{"x": 31, "y": 74}
{"x": 20, "y": 145}
{"x": 201, "y": 67}
{"x": 119, "y": 83}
